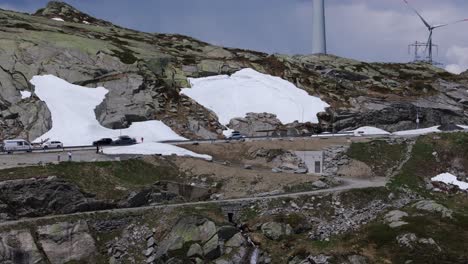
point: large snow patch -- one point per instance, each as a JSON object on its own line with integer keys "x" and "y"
{"x": 448, "y": 178}
{"x": 74, "y": 121}
{"x": 250, "y": 91}
{"x": 151, "y": 148}
{"x": 420, "y": 131}
{"x": 367, "y": 130}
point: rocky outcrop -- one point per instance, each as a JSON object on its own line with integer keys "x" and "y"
{"x": 280, "y": 160}
{"x": 275, "y": 231}
{"x": 144, "y": 74}
{"x": 18, "y": 247}
{"x": 39, "y": 197}
{"x": 410, "y": 240}
{"x": 67, "y": 242}
{"x": 433, "y": 207}
{"x": 394, "y": 218}
{"x": 58, "y": 9}
{"x": 255, "y": 124}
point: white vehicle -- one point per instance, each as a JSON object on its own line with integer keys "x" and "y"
{"x": 17, "y": 145}
{"x": 52, "y": 145}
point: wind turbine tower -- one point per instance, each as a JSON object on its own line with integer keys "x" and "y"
{"x": 319, "y": 41}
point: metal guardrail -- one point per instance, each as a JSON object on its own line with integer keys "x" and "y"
{"x": 212, "y": 141}
{"x": 49, "y": 150}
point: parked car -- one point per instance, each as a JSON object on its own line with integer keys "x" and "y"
{"x": 125, "y": 140}
{"x": 236, "y": 135}
{"x": 103, "y": 141}
{"x": 52, "y": 144}
{"x": 17, "y": 145}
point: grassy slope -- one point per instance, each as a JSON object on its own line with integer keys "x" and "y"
{"x": 100, "y": 178}
{"x": 378, "y": 154}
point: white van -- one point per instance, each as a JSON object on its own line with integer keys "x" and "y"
{"x": 17, "y": 145}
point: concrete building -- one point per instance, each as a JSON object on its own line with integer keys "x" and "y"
{"x": 313, "y": 160}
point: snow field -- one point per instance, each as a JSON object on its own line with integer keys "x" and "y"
{"x": 250, "y": 91}
{"x": 74, "y": 121}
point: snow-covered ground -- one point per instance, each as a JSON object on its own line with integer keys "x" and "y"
{"x": 367, "y": 130}
{"x": 151, "y": 148}
{"x": 250, "y": 91}
{"x": 58, "y": 19}
{"x": 448, "y": 178}
{"x": 74, "y": 121}
{"x": 25, "y": 94}
{"x": 420, "y": 131}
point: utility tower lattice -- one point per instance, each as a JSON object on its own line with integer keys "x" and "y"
{"x": 420, "y": 51}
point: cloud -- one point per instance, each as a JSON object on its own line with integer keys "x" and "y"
{"x": 458, "y": 55}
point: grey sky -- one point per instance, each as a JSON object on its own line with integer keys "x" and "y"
{"x": 369, "y": 30}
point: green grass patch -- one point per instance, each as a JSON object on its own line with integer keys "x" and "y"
{"x": 430, "y": 156}
{"x": 381, "y": 234}
{"x": 378, "y": 154}
{"x": 100, "y": 178}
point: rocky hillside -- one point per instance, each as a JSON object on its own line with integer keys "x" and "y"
{"x": 144, "y": 73}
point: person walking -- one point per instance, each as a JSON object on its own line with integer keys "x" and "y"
{"x": 142, "y": 139}
{"x": 69, "y": 156}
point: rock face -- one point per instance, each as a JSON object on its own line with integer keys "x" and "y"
{"x": 431, "y": 206}
{"x": 65, "y": 242}
{"x": 56, "y": 9}
{"x": 39, "y": 197}
{"x": 275, "y": 231}
{"x": 280, "y": 160}
{"x": 144, "y": 73}
{"x": 254, "y": 123}
{"x": 18, "y": 247}
{"x": 394, "y": 218}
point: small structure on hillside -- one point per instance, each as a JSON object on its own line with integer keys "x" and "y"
{"x": 313, "y": 160}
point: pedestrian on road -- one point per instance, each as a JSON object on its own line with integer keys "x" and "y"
{"x": 69, "y": 156}
{"x": 97, "y": 148}
{"x": 142, "y": 139}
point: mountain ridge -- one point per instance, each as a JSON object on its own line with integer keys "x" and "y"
{"x": 144, "y": 73}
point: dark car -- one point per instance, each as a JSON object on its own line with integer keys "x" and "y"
{"x": 124, "y": 140}
{"x": 102, "y": 142}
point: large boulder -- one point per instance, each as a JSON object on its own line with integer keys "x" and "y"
{"x": 276, "y": 231}
{"x": 65, "y": 242}
{"x": 18, "y": 247}
{"x": 254, "y": 123}
{"x": 433, "y": 207}
{"x": 394, "y": 218}
{"x": 191, "y": 229}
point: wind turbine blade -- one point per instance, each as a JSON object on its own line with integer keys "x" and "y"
{"x": 419, "y": 15}
{"x": 448, "y": 24}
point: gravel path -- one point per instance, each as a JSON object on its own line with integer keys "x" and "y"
{"x": 348, "y": 184}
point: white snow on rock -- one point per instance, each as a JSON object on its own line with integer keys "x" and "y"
{"x": 448, "y": 178}
{"x": 250, "y": 91}
{"x": 152, "y": 148}
{"x": 86, "y": 22}
{"x": 58, "y": 19}
{"x": 367, "y": 130}
{"x": 25, "y": 94}
{"x": 74, "y": 121}
{"x": 420, "y": 131}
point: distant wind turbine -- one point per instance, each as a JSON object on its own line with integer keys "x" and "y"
{"x": 431, "y": 29}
